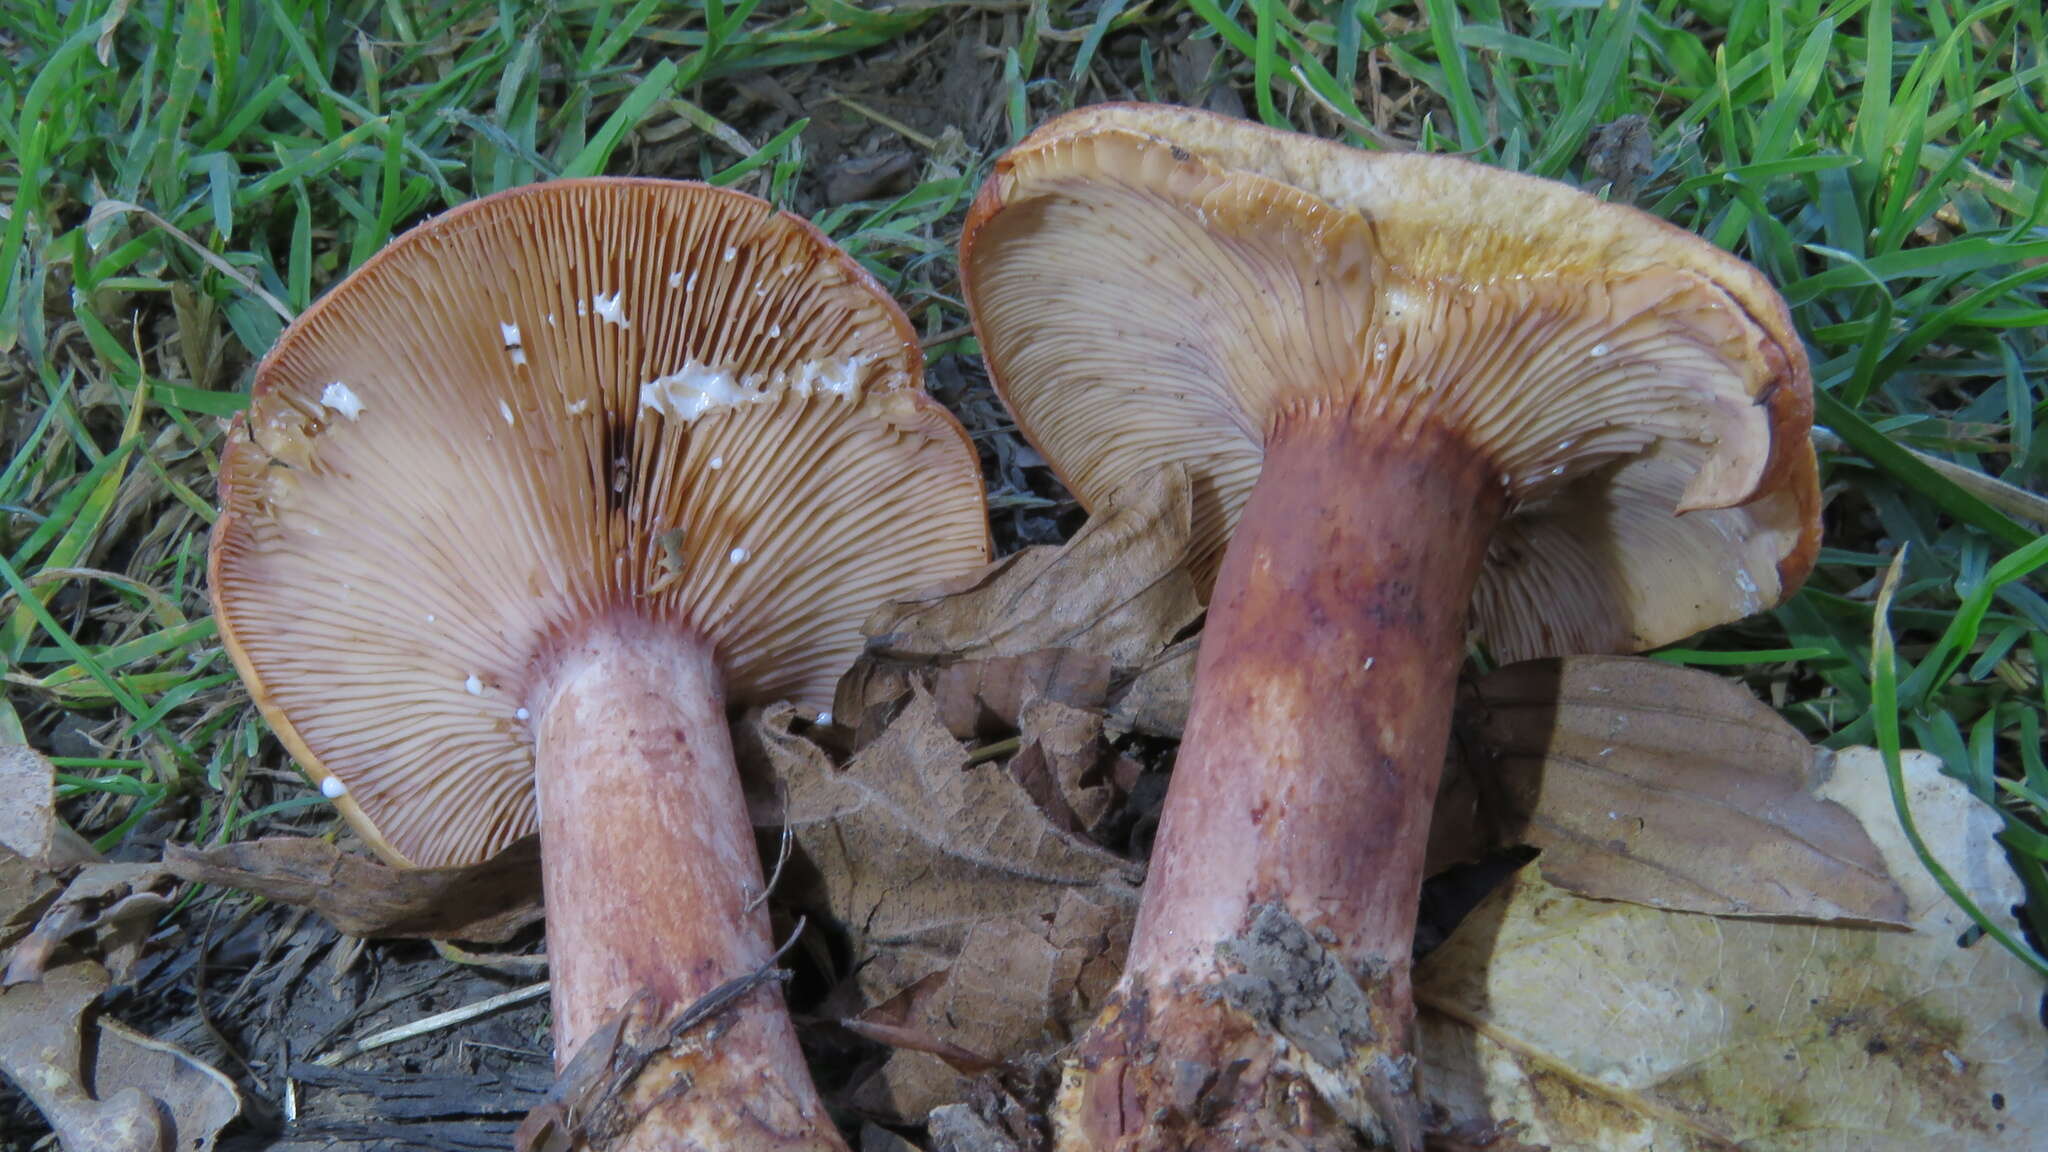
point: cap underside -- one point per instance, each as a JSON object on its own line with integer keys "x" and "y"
{"x": 1143, "y": 301}
{"x": 555, "y": 406}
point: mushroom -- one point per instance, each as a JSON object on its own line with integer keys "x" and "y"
{"x": 1418, "y": 396}
{"x": 522, "y": 508}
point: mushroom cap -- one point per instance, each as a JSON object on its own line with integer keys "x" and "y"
{"x": 1155, "y": 284}
{"x": 556, "y": 407}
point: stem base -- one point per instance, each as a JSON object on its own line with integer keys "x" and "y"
{"x": 1293, "y": 833}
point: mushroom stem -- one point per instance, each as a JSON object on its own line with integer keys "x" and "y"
{"x": 652, "y": 877}
{"x": 1266, "y": 1001}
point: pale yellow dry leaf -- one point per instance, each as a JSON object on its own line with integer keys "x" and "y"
{"x": 1611, "y": 1027}
{"x": 1668, "y": 786}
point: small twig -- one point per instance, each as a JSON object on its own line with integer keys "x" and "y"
{"x": 782, "y": 852}
{"x": 891, "y": 123}
{"x": 433, "y": 1023}
{"x": 963, "y": 1060}
{"x": 109, "y": 208}
{"x": 995, "y": 751}
{"x": 502, "y": 962}
{"x": 946, "y": 337}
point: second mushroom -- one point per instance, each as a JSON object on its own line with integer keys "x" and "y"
{"x": 1418, "y": 396}
{"x": 520, "y": 509}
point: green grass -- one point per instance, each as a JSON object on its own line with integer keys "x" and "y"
{"x": 1882, "y": 162}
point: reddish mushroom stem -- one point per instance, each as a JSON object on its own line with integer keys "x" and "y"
{"x": 653, "y": 883}
{"x": 1304, "y": 785}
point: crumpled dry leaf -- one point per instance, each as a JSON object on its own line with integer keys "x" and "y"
{"x": 1066, "y": 764}
{"x": 37, "y": 850}
{"x": 1064, "y": 622}
{"x": 54, "y": 888}
{"x": 116, "y": 905}
{"x": 913, "y": 847}
{"x": 140, "y": 1095}
{"x": 486, "y": 903}
{"x": 998, "y": 928}
{"x": 27, "y": 819}
{"x": 1667, "y": 786}
{"x": 1156, "y": 701}
{"x": 1015, "y": 988}
{"x": 1611, "y": 1027}
{"x": 981, "y": 699}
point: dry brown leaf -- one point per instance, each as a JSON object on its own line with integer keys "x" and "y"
{"x": 951, "y": 883}
{"x": 1611, "y": 1027}
{"x": 983, "y": 699}
{"x": 116, "y": 905}
{"x": 487, "y": 903}
{"x": 1065, "y": 764}
{"x": 915, "y": 848}
{"x": 1016, "y": 987}
{"x": 1156, "y": 701}
{"x": 1113, "y": 597}
{"x": 37, "y": 850}
{"x": 140, "y": 1095}
{"x": 1668, "y": 786}
{"x": 28, "y": 822}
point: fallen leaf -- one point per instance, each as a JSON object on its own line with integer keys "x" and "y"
{"x": 487, "y": 903}
{"x": 140, "y": 1095}
{"x": 117, "y": 906}
{"x": 1156, "y": 701}
{"x": 27, "y": 819}
{"x": 912, "y": 846}
{"x": 1066, "y": 764}
{"x": 984, "y": 699}
{"x": 1116, "y": 594}
{"x": 1605, "y": 1027}
{"x": 1015, "y": 988}
{"x": 1668, "y": 786}
{"x": 991, "y": 927}
{"x": 37, "y": 850}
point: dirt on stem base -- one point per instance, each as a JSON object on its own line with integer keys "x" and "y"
{"x": 1283, "y": 1050}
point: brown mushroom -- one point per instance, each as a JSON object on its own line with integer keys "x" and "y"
{"x": 522, "y": 507}
{"x": 1418, "y": 396}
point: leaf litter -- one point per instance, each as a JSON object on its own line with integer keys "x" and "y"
{"x": 966, "y": 855}
{"x": 1613, "y": 1027}
{"x": 75, "y": 926}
